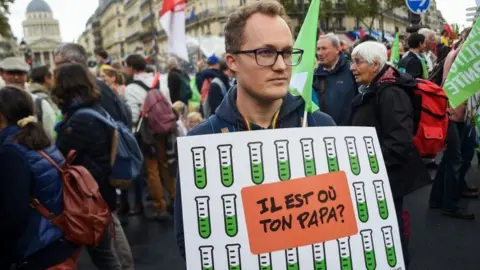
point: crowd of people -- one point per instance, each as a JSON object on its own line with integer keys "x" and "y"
{"x": 246, "y": 90}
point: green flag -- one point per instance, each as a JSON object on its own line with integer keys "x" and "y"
{"x": 302, "y": 74}
{"x": 463, "y": 79}
{"x": 194, "y": 101}
{"x": 395, "y": 55}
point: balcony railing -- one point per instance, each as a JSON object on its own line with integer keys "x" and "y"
{"x": 147, "y": 17}
{"x": 144, "y": 3}
{"x": 128, "y": 3}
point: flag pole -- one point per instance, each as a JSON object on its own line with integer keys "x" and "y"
{"x": 305, "y": 122}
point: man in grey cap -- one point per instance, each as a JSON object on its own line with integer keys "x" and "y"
{"x": 13, "y": 71}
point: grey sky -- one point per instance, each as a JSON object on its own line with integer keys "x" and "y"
{"x": 73, "y": 14}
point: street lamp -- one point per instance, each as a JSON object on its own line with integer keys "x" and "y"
{"x": 26, "y": 52}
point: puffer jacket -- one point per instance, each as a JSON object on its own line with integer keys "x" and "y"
{"x": 35, "y": 243}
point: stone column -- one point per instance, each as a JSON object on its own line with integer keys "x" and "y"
{"x": 42, "y": 58}
{"x": 52, "y": 59}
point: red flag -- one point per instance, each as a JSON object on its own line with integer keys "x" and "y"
{"x": 172, "y": 19}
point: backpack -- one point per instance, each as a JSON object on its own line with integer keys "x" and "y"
{"x": 436, "y": 75}
{"x": 206, "y": 109}
{"x": 429, "y": 118}
{"x": 85, "y": 214}
{"x": 158, "y": 112}
{"x": 126, "y": 156}
{"x": 204, "y": 89}
{"x": 185, "y": 89}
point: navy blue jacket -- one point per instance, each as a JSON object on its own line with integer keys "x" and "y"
{"x": 26, "y": 174}
{"x": 339, "y": 89}
{"x": 289, "y": 117}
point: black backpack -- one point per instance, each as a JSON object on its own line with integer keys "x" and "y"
{"x": 436, "y": 76}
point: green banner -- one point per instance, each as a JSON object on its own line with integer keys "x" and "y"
{"x": 463, "y": 79}
{"x": 302, "y": 74}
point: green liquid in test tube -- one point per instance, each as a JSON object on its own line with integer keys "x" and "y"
{"x": 291, "y": 255}
{"x": 389, "y": 246}
{"x": 283, "y": 160}
{"x": 319, "y": 261}
{"x": 203, "y": 215}
{"x": 256, "y": 162}
{"x": 331, "y": 154}
{"x": 362, "y": 207}
{"x": 368, "y": 249}
{"x": 200, "y": 172}
{"x": 206, "y": 256}
{"x": 308, "y": 157}
{"x": 345, "y": 253}
{"x": 265, "y": 261}
{"x": 372, "y": 156}
{"x": 381, "y": 200}
{"x": 233, "y": 256}
{"x": 230, "y": 214}
{"x": 226, "y": 166}
{"x": 353, "y": 155}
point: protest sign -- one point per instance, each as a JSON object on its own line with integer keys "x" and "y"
{"x": 463, "y": 79}
{"x": 288, "y": 199}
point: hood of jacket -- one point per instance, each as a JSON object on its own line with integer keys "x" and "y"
{"x": 229, "y": 113}
{"x": 206, "y": 74}
{"x": 146, "y": 78}
{"x": 389, "y": 76}
{"x": 321, "y": 71}
{"x": 36, "y": 87}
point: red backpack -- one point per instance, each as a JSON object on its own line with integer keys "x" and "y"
{"x": 158, "y": 111}
{"x": 430, "y": 118}
{"x": 85, "y": 214}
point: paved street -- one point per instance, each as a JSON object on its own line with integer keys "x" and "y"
{"x": 437, "y": 242}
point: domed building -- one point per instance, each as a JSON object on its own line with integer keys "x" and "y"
{"x": 41, "y": 32}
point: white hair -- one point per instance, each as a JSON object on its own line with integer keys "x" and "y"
{"x": 333, "y": 38}
{"x": 371, "y": 52}
{"x": 426, "y": 32}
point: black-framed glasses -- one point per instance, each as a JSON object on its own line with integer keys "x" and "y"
{"x": 267, "y": 57}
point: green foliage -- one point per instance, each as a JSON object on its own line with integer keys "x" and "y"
{"x": 5, "y": 29}
{"x": 370, "y": 9}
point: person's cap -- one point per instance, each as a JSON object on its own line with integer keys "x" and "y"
{"x": 14, "y": 63}
{"x": 212, "y": 60}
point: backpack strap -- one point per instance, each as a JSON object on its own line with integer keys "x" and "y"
{"x": 39, "y": 110}
{"x": 105, "y": 119}
{"x": 144, "y": 86}
{"x": 219, "y": 125}
{"x": 223, "y": 87}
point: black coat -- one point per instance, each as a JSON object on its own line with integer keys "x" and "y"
{"x": 386, "y": 105}
{"x": 92, "y": 140}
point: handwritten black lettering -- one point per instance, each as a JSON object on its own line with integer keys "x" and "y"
{"x": 265, "y": 223}
{"x": 322, "y": 196}
{"x": 289, "y": 201}
{"x": 263, "y": 203}
{"x": 332, "y": 194}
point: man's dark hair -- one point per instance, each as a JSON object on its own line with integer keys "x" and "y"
{"x": 72, "y": 52}
{"x": 102, "y": 53}
{"x": 367, "y": 38}
{"x": 415, "y": 39}
{"x": 38, "y": 74}
{"x": 223, "y": 66}
{"x": 136, "y": 62}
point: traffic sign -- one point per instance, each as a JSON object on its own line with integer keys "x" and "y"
{"x": 418, "y": 6}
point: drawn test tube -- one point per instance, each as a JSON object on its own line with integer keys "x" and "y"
{"x": 368, "y": 249}
{"x": 283, "y": 160}
{"x": 200, "y": 170}
{"x": 203, "y": 215}
{"x": 256, "y": 162}
{"x": 206, "y": 256}
{"x": 319, "y": 260}
{"x": 230, "y": 214}
{"x": 226, "y": 166}
{"x": 362, "y": 207}
{"x": 331, "y": 154}
{"x": 345, "y": 253}
{"x": 233, "y": 256}
{"x": 308, "y": 157}
{"x": 353, "y": 155}
{"x": 265, "y": 261}
{"x": 291, "y": 255}
{"x": 389, "y": 246}
{"x": 381, "y": 200}
{"x": 372, "y": 156}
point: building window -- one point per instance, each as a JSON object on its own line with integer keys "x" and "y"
{"x": 119, "y": 23}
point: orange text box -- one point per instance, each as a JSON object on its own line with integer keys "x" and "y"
{"x": 298, "y": 212}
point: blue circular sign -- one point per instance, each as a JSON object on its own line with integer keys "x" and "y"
{"x": 418, "y": 6}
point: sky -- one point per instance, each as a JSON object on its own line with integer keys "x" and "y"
{"x": 74, "y": 15}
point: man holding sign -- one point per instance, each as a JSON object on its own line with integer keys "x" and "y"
{"x": 260, "y": 51}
